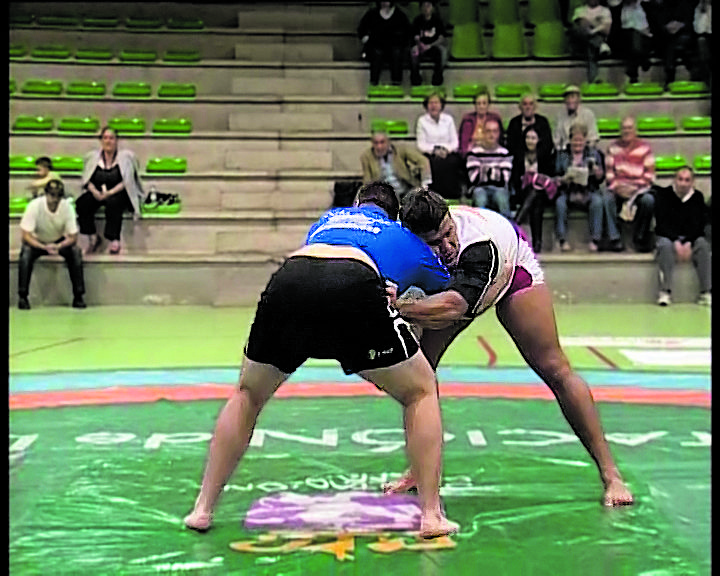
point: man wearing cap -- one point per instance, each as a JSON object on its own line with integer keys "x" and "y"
{"x": 574, "y": 112}
{"x": 49, "y": 226}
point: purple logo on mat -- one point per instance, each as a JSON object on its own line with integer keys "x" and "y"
{"x": 345, "y": 511}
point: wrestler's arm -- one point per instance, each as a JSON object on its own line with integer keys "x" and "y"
{"x": 437, "y": 311}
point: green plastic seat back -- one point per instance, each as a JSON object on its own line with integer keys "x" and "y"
{"x": 540, "y": 11}
{"x": 177, "y": 90}
{"x": 182, "y": 56}
{"x": 52, "y": 52}
{"x": 13, "y": 85}
{"x": 144, "y": 23}
{"x": 385, "y": 91}
{"x": 127, "y": 125}
{"x": 42, "y": 87}
{"x": 172, "y": 126}
{"x": 552, "y": 91}
{"x": 100, "y": 22}
{"x": 27, "y": 122}
{"x": 399, "y": 127}
{"x": 508, "y": 42}
{"x": 462, "y": 12}
{"x": 550, "y": 41}
{"x": 703, "y": 163}
{"x": 653, "y": 124}
{"x": 22, "y": 163}
{"x": 669, "y": 162}
{"x": 18, "y": 19}
{"x": 167, "y": 165}
{"x": 644, "y": 89}
{"x": 17, "y": 51}
{"x": 684, "y": 88}
{"x": 599, "y": 91}
{"x": 137, "y": 55}
{"x": 84, "y": 124}
{"x": 511, "y": 90}
{"x": 608, "y": 126}
{"x": 468, "y": 91}
{"x": 468, "y": 42}
{"x": 185, "y": 24}
{"x": 17, "y": 205}
{"x": 86, "y": 88}
{"x": 67, "y": 163}
{"x": 132, "y": 90}
{"x": 64, "y": 21}
{"x": 697, "y": 123}
{"x": 504, "y": 12}
{"x": 98, "y": 54}
{"x": 423, "y": 91}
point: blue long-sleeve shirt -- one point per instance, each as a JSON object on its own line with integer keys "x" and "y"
{"x": 401, "y": 257}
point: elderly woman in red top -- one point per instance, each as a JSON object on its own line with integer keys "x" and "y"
{"x": 471, "y": 125}
{"x": 630, "y": 173}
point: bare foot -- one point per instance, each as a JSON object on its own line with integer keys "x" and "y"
{"x": 405, "y": 483}
{"x": 617, "y": 494}
{"x": 199, "y": 521}
{"x": 437, "y": 525}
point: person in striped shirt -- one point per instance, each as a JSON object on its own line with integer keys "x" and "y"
{"x": 489, "y": 166}
{"x": 630, "y": 173}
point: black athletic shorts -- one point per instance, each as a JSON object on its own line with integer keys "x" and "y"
{"x": 328, "y": 308}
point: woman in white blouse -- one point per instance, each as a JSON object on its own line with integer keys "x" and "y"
{"x": 437, "y": 138}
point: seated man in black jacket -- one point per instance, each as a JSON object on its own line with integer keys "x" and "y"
{"x": 680, "y": 218}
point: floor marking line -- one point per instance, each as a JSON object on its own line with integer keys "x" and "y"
{"x": 602, "y": 357}
{"x": 492, "y": 356}
{"x": 46, "y": 346}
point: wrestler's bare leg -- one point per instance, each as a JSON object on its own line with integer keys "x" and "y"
{"x": 233, "y": 431}
{"x": 412, "y": 383}
{"x": 529, "y": 318}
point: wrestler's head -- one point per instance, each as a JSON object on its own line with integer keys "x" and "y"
{"x": 381, "y": 194}
{"x": 426, "y": 214}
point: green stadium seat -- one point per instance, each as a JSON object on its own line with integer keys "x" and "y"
{"x": 42, "y": 87}
{"x": 22, "y": 163}
{"x": 703, "y": 164}
{"x": 468, "y": 91}
{"x": 669, "y": 163}
{"x": 55, "y": 52}
{"x": 390, "y": 126}
{"x": 79, "y": 124}
{"x": 503, "y": 12}
{"x": 182, "y": 56}
{"x": 385, "y": 91}
{"x": 17, "y": 51}
{"x": 609, "y": 126}
{"x": 64, "y": 21}
{"x": 97, "y": 54}
{"x": 697, "y": 124}
{"x": 17, "y": 205}
{"x": 510, "y": 91}
{"x": 67, "y": 163}
{"x": 599, "y": 91}
{"x": 177, "y": 90}
{"x": 100, "y": 22}
{"x": 21, "y": 19}
{"x": 185, "y": 24}
{"x": 550, "y": 41}
{"x": 144, "y": 23}
{"x": 131, "y": 55}
{"x": 643, "y": 89}
{"x": 167, "y": 166}
{"x": 13, "y": 85}
{"x": 543, "y": 11}
{"x": 172, "y": 126}
{"x": 552, "y": 91}
{"x": 462, "y": 12}
{"x": 508, "y": 42}
{"x": 467, "y": 42}
{"x": 132, "y": 90}
{"x": 686, "y": 88}
{"x": 421, "y": 92}
{"x": 29, "y": 123}
{"x": 655, "y": 124}
{"x": 127, "y": 125}
{"x": 86, "y": 88}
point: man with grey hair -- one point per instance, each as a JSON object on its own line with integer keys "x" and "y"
{"x": 574, "y": 112}
{"x": 528, "y": 116}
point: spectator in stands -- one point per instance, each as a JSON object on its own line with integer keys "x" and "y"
{"x": 437, "y": 138}
{"x": 384, "y": 32}
{"x": 44, "y": 173}
{"x": 49, "y": 226}
{"x": 489, "y": 167}
{"x": 110, "y": 178}
{"x": 472, "y": 123}
{"x": 591, "y": 25}
{"x": 615, "y": 37}
{"x": 580, "y": 171}
{"x": 675, "y": 36}
{"x": 630, "y": 172}
{"x": 531, "y": 180}
{"x": 514, "y": 138}
{"x": 403, "y": 166}
{"x": 635, "y": 38}
{"x": 574, "y": 112}
{"x": 702, "y": 25}
{"x": 680, "y": 213}
{"x": 430, "y": 43}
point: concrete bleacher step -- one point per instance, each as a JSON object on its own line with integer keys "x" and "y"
{"x": 282, "y": 122}
{"x": 316, "y": 17}
{"x": 295, "y": 52}
{"x": 279, "y": 160}
{"x": 258, "y": 85}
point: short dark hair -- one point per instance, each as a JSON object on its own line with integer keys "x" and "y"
{"x": 382, "y": 194}
{"x": 108, "y": 129}
{"x": 437, "y": 93}
{"x": 55, "y": 187}
{"x": 423, "y": 210}
{"x": 44, "y": 161}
